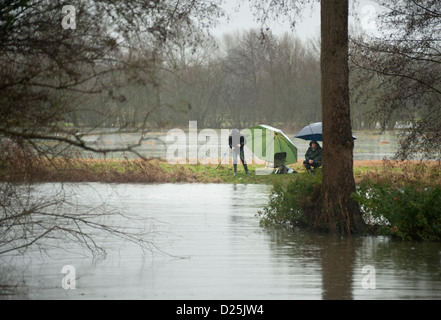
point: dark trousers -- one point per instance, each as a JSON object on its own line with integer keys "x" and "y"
{"x": 241, "y": 155}
{"x": 308, "y": 166}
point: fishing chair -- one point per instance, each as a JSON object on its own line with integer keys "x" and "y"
{"x": 279, "y": 162}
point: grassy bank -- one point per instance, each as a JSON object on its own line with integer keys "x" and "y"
{"x": 34, "y": 169}
{"x": 127, "y": 171}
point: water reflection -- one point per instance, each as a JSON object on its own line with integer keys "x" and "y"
{"x": 215, "y": 249}
{"x": 402, "y": 270}
{"x": 330, "y": 256}
{"x": 338, "y": 262}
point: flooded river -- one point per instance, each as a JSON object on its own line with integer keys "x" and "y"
{"x": 209, "y": 245}
{"x": 212, "y": 146}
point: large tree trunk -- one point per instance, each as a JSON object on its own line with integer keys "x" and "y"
{"x": 339, "y": 211}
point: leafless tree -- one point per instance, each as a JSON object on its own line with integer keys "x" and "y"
{"x": 270, "y": 79}
{"x": 49, "y": 73}
{"x": 51, "y": 216}
{"x": 401, "y": 72}
{"x": 59, "y": 69}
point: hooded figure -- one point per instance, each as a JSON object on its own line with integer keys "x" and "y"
{"x": 313, "y": 156}
{"x": 237, "y": 141}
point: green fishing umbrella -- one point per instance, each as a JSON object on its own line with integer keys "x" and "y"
{"x": 267, "y": 143}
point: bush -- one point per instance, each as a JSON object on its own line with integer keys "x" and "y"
{"x": 410, "y": 212}
{"x": 291, "y": 203}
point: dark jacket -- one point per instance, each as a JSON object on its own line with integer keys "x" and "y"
{"x": 314, "y": 154}
{"x": 236, "y": 138}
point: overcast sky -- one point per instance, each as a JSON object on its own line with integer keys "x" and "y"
{"x": 307, "y": 27}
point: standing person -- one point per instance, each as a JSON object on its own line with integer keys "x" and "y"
{"x": 237, "y": 141}
{"x": 313, "y": 156}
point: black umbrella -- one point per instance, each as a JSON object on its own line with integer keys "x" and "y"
{"x": 312, "y": 132}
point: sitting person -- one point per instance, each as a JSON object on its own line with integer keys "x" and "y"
{"x": 313, "y": 156}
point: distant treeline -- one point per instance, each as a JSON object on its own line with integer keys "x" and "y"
{"x": 244, "y": 79}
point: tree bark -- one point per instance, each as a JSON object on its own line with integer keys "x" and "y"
{"x": 339, "y": 211}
